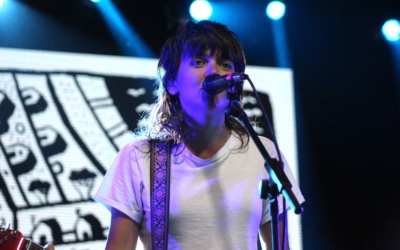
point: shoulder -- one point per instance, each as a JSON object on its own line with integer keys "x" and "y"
{"x": 268, "y": 144}
{"x": 266, "y": 141}
{"x": 135, "y": 146}
{"x": 142, "y": 146}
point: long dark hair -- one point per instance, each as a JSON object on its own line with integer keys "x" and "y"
{"x": 166, "y": 119}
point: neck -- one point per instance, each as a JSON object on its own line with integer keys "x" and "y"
{"x": 206, "y": 137}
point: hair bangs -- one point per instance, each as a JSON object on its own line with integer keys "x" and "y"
{"x": 204, "y": 37}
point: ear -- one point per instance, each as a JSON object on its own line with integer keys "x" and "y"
{"x": 171, "y": 88}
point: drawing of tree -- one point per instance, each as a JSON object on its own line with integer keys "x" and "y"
{"x": 83, "y": 179}
{"x": 40, "y": 187}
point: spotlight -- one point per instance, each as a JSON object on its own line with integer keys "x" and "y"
{"x": 275, "y": 10}
{"x": 200, "y": 10}
{"x": 2, "y": 3}
{"x": 391, "y": 30}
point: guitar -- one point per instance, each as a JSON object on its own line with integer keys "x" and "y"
{"x": 14, "y": 240}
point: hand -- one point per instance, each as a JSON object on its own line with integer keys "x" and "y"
{"x": 49, "y": 246}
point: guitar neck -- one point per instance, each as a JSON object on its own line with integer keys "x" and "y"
{"x": 30, "y": 245}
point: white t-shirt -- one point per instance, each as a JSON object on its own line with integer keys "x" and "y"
{"x": 214, "y": 203}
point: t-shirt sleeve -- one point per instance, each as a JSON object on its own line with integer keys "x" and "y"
{"x": 122, "y": 185}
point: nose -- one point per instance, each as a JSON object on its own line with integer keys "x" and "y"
{"x": 213, "y": 68}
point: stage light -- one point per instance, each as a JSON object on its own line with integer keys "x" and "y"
{"x": 391, "y": 30}
{"x": 200, "y": 10}
{"x": 2, "y": 3}
{"x": 127, "y": 38}
{"x": 275, "y": 10}
{"x": 95, "y": 1}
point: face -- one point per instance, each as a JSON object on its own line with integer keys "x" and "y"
{"x": 190, "y": 77}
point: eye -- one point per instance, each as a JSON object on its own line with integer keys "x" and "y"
{"x": 227, "y": 65}
{"x": 198, "y": 62}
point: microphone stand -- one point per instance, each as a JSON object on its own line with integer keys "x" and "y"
{"x": 279, "y": 182}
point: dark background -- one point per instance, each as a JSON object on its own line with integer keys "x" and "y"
{"x": 347, "y": 95}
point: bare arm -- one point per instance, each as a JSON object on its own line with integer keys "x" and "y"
{"x": 266, "y": 233}
{"x": 123, "y": 232}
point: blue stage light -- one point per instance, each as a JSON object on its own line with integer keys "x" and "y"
{"x": 275, "y": 10}
{"x": 391, "y": 30}
{"x": 127, "y": 38}
{"x": 2, "y": 3}
{"x": 200, "y": 10}
{"x": 95, "y": 1}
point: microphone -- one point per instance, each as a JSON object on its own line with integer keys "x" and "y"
{"x": 215, "y": 84}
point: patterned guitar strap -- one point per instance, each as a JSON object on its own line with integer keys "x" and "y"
{"x": 160, "y": 163}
